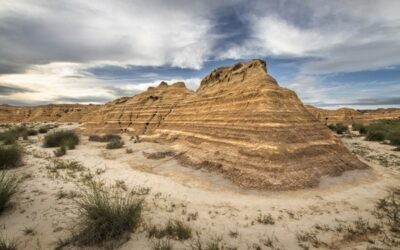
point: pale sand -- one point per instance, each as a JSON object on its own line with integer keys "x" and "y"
{"x": 177, "y": 191}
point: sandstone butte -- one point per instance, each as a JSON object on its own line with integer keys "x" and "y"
{"x": 44, "y": 113}
{"x": 239, "y": 122}
{"x": 350, "y": 116}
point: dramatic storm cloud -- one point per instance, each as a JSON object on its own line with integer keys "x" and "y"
{"x": 331, "y": 52}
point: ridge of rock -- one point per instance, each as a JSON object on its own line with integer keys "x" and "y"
{"x": 240, "y": 123}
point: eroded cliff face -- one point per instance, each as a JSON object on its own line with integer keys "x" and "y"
{"x": 45, "y": 113}
{"x": 350, "y": 116}
{"x": 240, "y": 122}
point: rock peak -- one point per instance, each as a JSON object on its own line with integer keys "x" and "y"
{"x": 254, "y": 70}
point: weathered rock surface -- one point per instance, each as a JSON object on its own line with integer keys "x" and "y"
{"x": 349, "y": 116}
{"x": 240, "y": 122}
{"x": 45, "y": 113}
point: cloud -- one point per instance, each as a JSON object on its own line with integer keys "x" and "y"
{"x": 108, "y": 32}
{"x": 7, "y": 89}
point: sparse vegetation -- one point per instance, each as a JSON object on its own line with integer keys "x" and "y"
{"x": 339, "y": 128}
{"x": 60, "y": 151}
{"x": 114, "y": 144}
{"x": 173, "y": 229}
{"x": 162, "y": 244}
{"x": 375, "y": 135}
{"x": 105, "y": 216}
{"x": 384, "y": 130}
{"x": 388, "y": 208}
{"x": 43, "y": 130}
{"x": 361, "y": 128}
{"x": 265, "y": 219}
{"x": 6, "y": 244}
{"x": 104, "y": 138}
{"x": 8, "y": 187}
{"x": 59, "y": 138}
{"x": 10, "y": 156}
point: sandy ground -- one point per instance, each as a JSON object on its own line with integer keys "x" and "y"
{"x": 214, "y": 208}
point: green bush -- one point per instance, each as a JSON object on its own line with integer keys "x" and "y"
{"x": 394, "y": 138}
{"x": 105, "y": 216}
{"x": 8, "y": 187}
{"x": 8, "y": 137}
{"x": 43, "y": 130}
{"x": 113, "y": 144}
{"x": 361, "y": 128}
{"x": 104, "y": 138}
{"x": 69, "y": 143}
{"x": 10, "y": 156}
{"x": 339, "y": 128}
{"x": 31, "y": 132}
{"x": 60, "y": 151}
{"x": 57, "y": 138}
{"x": 375, "y": 135}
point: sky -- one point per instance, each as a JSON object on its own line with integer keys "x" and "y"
{"x": 332, "y": 53}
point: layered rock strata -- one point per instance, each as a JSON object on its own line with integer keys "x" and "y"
{"x": 45, "y": 113}
{"x": 349, "y": 116}
{"x": 239, "y": 122}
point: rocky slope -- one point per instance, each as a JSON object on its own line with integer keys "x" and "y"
{"x": 240, "y": 123}
{"x": 45, "y": 113}
{"x": 349, "y": 116}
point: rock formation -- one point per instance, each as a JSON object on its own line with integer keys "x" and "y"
{"x": 45, "y": 113}
{"x": 239, "y": 122}
{"x": 350, "y": 116}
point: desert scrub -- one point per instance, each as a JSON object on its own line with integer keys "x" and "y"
{"x": 339, "y": 128}
{"x": 43, "y": 130}
{"x": 173, "y": 229}
{"x": 394, "y": 138}
{"x": 60, "y": 151}
{"x": 8, "y": 187}
{"x": 10, "y": 156}
{"x": 114, "y": 144}
{"x": 375, "y": 135}
{"x": 162, "y": 244}
{"x": 388, "y": 208}
{"x": 265, "y": 219}
{"x": 105, "y": 216}
{"x": 6, "y": 244}
{"x": 59, "y": 138}
{"x": 361, "y": 128}
{"x": 104, "y": 138}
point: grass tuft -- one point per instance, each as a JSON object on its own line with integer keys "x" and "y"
{"x": 60, "y": 151}
{"x": 105, "y": 216}
{"x": 173, "y": 229}
{"x": 6, "y": 244}
{"x": 104, "y": 138}
{"x": 10, "y": 156}
{"x": 8, "y": 187}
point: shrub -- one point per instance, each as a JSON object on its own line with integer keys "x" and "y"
{"x": 173, "y": 229}
{"x": 113, "y": 144}
{"x": 339, "y": 128}
{"x": 8, "y": 137}
{"x": 361, "y": 128}
{"x": 394, "y": 138}
{"x": 105, "y": 216}
{"x": 10, "y": 156}
{"x": 56, "y": 139}
{"x": 43, "y": 130}
{"x": 162, "y": 244}
{"x": 375, "y": 135}
{"x": 69, "y": 143}
{"x": 104, "y": 138}
{"x": 8, "y": 187}
{"x": 60, "y": 151}
{"x": 265, "y": 219}
{"x": 31, "y": 132}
